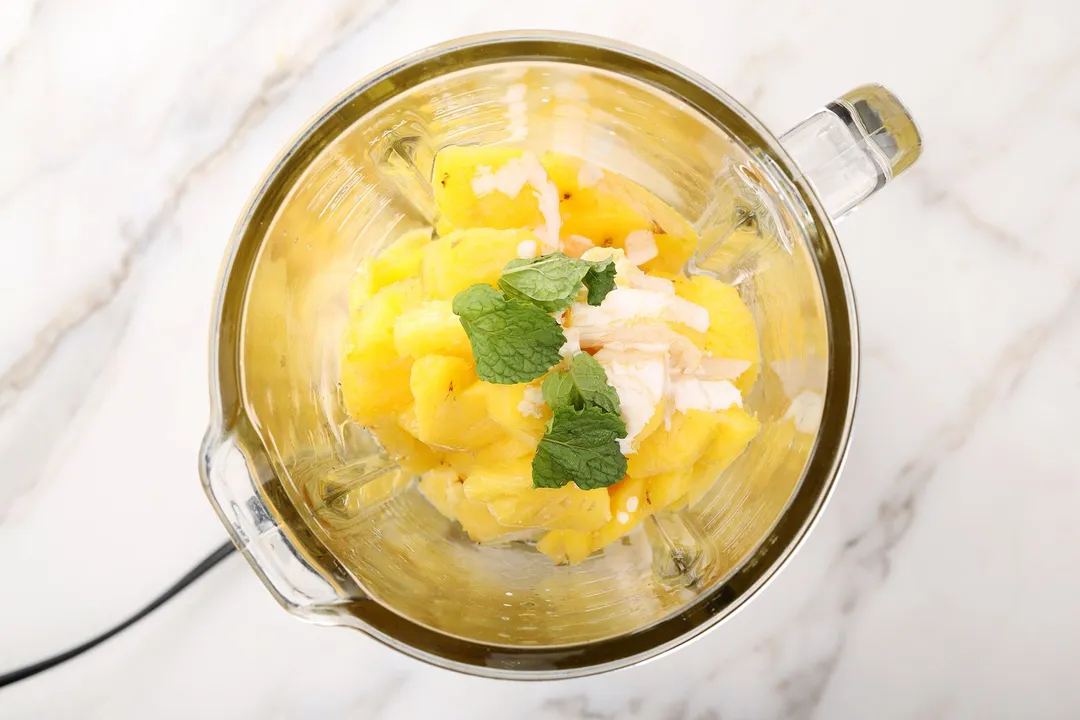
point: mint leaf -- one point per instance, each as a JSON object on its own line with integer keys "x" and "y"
{"x": 512, "y": 341}
{"x": 559, "y": 391}
{"x": 580, "y": 446}
{"x": 600, "y": 280}
{"x": 550, "y": 281}
{"x": 583, "y": 384}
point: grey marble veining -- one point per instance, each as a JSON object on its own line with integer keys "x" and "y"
{"x": 938, "y": 584}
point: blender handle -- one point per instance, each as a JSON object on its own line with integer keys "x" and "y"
{"x": 854, "y": 146}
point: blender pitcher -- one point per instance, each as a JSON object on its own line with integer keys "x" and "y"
{"x": 338, "y": 531}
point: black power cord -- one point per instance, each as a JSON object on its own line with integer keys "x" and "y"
{"x": 196, "y": 572}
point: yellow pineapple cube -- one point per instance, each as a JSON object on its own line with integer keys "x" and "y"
{"x": 362, "y": 287}
{"x": 668, "y": 487}
{"x": 732, "y": 332}
{"x": 520, "y": 409}
{"x": 431, "y": 328}
{"x": 509, "y": 478}
{"x": 629, "y": 506}
{"x": 461, "y": 206}
{"x": 449, "y": 413}
{"x": 566, "y": 547}
{"x": 565, "y": 508}
{"x": 401, "y": 259}
{"x": 370, "y": 331}
{"x": 374, "y": 378}
{"x": 674, "y": 448}
{"x": 734, "y": 431}
{"x": 606, "y": 208}
{"x": 654, "y": 423}
{"x": 478, "y": 521}
{"x": 508, "y": 490}
{"x": 406, "y": 419}
{"x": 599, "y": 209}
{"x": 373, "y": 388}
{"x": 502, "y": 451}
{"x": 676, "y": 239}
{"x": 400, "y": 444}
{"x": 442, "y": 488}
{"x": 467, "y": 257}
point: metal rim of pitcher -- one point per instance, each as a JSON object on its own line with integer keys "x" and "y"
{"x": 826, "y": 460}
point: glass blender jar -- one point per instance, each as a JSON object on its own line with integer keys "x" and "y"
{"x": 338, "y": 531}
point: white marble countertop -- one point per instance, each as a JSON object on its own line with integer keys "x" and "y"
{"x": 941, "y": 582}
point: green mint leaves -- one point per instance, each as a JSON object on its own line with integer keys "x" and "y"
{"x": 581, "y": 441}
{"x": 583, "y": 384}
{"x": 600, "y": 280}
{"x": 512, "y": 341}
{"x": 513, "y": 337}
{"x": 549, "y": 281}
{"x": 552, "y": 281}
{"x": 580, "y": 446}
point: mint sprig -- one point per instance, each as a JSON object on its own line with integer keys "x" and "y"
{"x": 513, "y": 337}
{"x": 552, "y": 281}
{"x": 549, "y": 281}
{"x": 581, "y": 442}
{"x": 512, "y": 341}
{"x": 580, "y": 446}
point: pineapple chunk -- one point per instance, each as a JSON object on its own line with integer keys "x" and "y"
{"x": 442, "y": 488}
{"x": 467, "y": 257}
{"x": 566, "y": 547}
{"x": 676, "y": 239}
{"x": 508, "y": 490}
{"x": 600, "y": 209}
{"x": 400, "y": 444}
{"x": 512, "y": 448}
{"x": 373, "y": 389}
{"x": 449, "y": 412}
{"x": 702, "y": 478}
{"x": 666, "y": 488}
{"x": 361, "y": 288}
{"x": 400, "y": 260}
{"x": 629, "y": 506}
{"x": 431, "y": 328}
{"x": 460, "y": 207}
{"x": 370, "y": 331}
{"x": 374, "y": 379}
{"x": 676, "y": 447}
{"x": 732, "y": 333}
{"x": 408, "y": 422}
{"x": 655, "y": 422}
{"x": 506, "y": 402}
{"x": 606, "y": 208}
{"x": 477, "y": 520}
{"x": 501, "y": 480}
{"x": 735, "y": 430}
{"x": 565, "y": 508}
